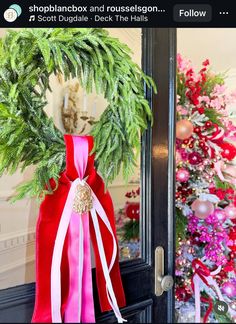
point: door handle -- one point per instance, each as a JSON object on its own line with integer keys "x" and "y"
{"x": 162, "y": 282}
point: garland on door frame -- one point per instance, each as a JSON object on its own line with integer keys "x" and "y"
{"x": 27, "y": 136}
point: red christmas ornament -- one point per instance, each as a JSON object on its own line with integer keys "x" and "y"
{"x": 195, "y": 158}
{"x": 229, "y": 151}
{"x": 183, "y": 293}
{"x": 201, "y": 110}
{"x": 190, "y": 191}
{"x": 132, "y": 210}
{"x": 202, "y": 144}
{"x": 184, "y": 192}
{"x": 194, "y": 239}
{"x": 208, "y": 124}
{"x": 232, "y": 255}
{"x": 232, "y": 238}
{"x": 197, "y": 130}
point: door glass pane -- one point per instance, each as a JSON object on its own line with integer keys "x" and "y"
{"x": 125, "y": 196}
{"x": 205, "y": 176}
{"x": 18, "y": 221}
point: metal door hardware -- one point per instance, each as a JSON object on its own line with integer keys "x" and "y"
{"x": 162, "y": 282}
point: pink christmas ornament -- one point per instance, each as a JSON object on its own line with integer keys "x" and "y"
{"x": 230, "y": 211}
{"x": 220, "y": 215}
{"x": 182, "y": 175}
{"x": 184, "y": 129}
{"x": 229, "y": 289}
{"x": 202, "y": 208}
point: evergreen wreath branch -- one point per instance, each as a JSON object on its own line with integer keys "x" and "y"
{"x": 27, "y": 136}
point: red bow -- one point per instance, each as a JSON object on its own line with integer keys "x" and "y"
{"x": 202, "y": 271}
{"x": 48, "y": 221}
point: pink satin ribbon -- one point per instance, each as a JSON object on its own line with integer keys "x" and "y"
{"x": 80, "y": 307}
{"x": 75, "y": 242}
{"x": 87, "y": 311}
{"x": 219, "y": 166}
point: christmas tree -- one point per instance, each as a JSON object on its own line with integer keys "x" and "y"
{"x": 205, "y": 197}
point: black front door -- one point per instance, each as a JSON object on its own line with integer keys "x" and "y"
{"x": 157, "y": 189}
{"x": 157, "y": 202}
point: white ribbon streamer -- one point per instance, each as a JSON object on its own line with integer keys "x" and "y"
{"x": 106, "y": 269}
{"x": 57, "y": 254}
{"x": 58, "y": 248}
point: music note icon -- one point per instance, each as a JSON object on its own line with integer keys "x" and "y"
{"x": 32, "y": 18}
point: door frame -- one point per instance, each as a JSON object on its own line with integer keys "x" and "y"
{"x": 157, "y": 199}
{"x": 162, "y": 63}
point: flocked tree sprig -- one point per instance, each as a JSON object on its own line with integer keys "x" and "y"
{"x": 27, "y": 136}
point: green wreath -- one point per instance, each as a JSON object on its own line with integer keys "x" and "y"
{"x": 29, "y": 137}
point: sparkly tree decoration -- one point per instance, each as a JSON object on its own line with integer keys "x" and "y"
{"x": 127, "y": 223}
{"x": 205, "y": 196}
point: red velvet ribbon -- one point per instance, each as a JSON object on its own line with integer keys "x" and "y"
{"x": 210, "y": 308}
{"x": 202, "y": 271}
{"x": 47, "y": 226}
{"x": 214, "y": 137}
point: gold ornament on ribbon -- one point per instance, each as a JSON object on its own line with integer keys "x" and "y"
{"x": 83, "y": 201}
